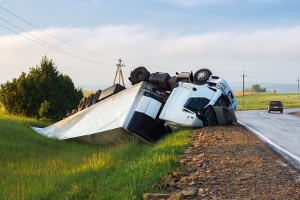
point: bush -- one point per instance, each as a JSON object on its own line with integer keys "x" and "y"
{"x": 44, "y": 110}
{"x": 43, "y": 92}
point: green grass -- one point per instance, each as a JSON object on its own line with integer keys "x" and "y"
{"x": 259, "y": 101}
{"x": 87, "y": 93}
{"x": 33, "y": 166}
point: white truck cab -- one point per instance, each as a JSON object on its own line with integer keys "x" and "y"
{"x": 191, "y": 105}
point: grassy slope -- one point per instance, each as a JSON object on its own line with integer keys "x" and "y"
{"x": 36, "y": 167}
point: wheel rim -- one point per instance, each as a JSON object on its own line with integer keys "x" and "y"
{"x": 202, "y": 76}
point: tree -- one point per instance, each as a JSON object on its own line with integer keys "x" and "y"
{"x": 44, "y": 92}
{"x": 257, "y": 88}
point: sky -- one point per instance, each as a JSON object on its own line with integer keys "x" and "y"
{"x": 259, "y": 39}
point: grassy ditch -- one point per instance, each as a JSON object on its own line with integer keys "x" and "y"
{"x": 33, "y": 166}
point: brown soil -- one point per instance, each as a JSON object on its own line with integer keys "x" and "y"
{"x": 229, "y": 162}
{"x": 296, "y": 114}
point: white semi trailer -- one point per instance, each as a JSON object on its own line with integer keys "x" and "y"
{"x": 155, "y": 104}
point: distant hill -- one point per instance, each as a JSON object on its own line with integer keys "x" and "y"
{"x": 279, "y": 87}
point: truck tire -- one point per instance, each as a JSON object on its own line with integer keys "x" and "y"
{"x": 96, "y": 97}
{"x": 228, "y": 116}
{"x": 88, "y": 101}
{"x": 139, "y": 74}
{"x": 81, "y": 104}
{"x": 201, "y": 76}
{"x": 211, "y": 116}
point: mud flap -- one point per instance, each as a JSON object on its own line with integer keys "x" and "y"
{"x": 225, "y": 115}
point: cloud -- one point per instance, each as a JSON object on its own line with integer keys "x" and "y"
{"x": 94, "y": 53}
{"x": 270, "y": 44}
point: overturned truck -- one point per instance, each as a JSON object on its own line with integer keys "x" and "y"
{"x": 154, "y": 105}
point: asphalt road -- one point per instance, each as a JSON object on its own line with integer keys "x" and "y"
{"x": 280, "y": 131}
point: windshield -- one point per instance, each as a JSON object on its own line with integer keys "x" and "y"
{"x": 275, "y": 103}
{"x": 196, "y": 103}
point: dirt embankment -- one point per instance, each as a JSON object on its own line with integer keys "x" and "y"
{"x": 229, "y": 162}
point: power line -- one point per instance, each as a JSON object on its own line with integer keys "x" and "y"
{"x": 57, "y": 38}
{"x": 68, "y": 43}
{"x": 53, "y": 47}
{"x": 20, "y": 34}
{"x": 47, "y": 44}
{"x": 43, "y": 42}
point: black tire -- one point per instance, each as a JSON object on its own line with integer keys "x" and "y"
{"x": 211, "y": 116}
{"x": 228, "y": 116}
{"x": 88, "y": 101}
{"x": 201, "y": 76}
{"x": 139, "y": 74}
{"x": 81, "y": 104}
{"x": 96, "y": 97}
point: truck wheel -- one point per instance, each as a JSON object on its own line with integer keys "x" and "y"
{"x": 201, "y": 76}
{"x": 139, "y": 74}
{"x": 81, "y": 104}
{"x": 211, "y": 116}
{"x": 88, "y": 101}
{"x": 96, "y": 97}
{"x": 228, "y": 116}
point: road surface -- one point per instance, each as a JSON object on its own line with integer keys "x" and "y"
{"x": 280, "y": 131}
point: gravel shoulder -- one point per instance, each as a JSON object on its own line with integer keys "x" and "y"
{"x": 229, "y": 162}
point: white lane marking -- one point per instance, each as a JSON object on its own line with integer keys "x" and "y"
{"x": 290, "y": 123}
{"x": 291, "y": 155}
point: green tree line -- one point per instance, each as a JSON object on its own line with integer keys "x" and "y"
{"x": 256, "y": 88}
{"x": 43, "y": 93}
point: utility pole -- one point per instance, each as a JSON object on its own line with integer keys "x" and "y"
{"x": 243, "y": 89}
{"x": 119, "y": 72}
{"x": 298, "y": 91}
